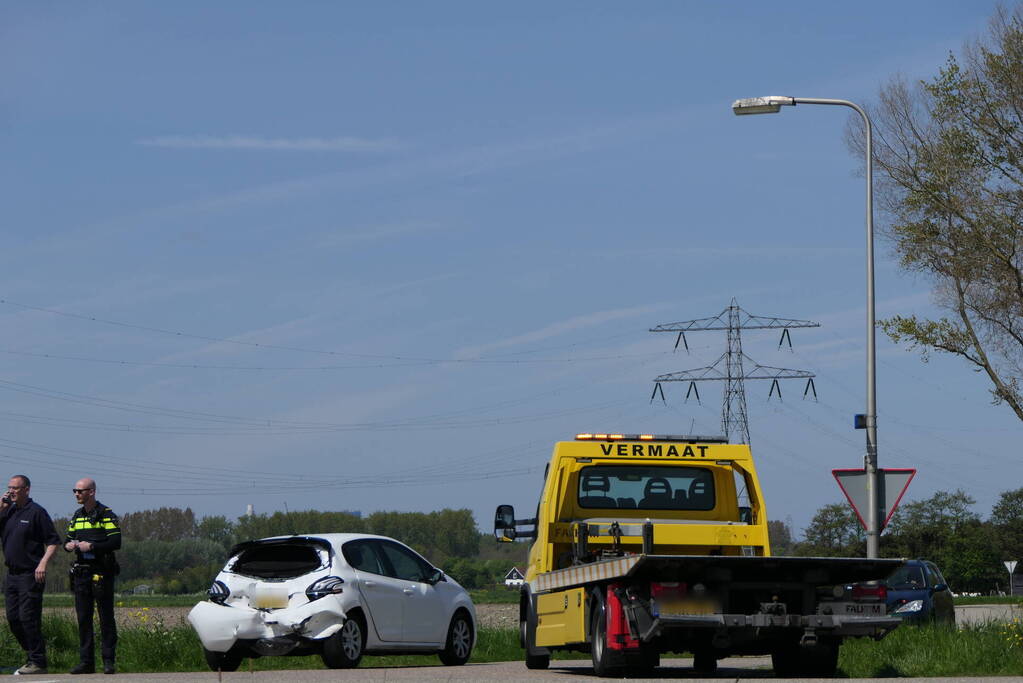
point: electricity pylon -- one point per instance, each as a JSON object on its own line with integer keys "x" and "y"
{"x": 734, "y": 420}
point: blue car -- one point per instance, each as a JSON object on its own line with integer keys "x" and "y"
{"x": 918, "y": 592}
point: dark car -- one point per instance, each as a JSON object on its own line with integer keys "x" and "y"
{"x": 918, "y": 592}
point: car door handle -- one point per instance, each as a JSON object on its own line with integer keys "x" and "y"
{"x": 368, "y": 584}
{"x": 408, "y": 591}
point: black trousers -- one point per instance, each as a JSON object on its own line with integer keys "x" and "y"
{"x": 101, "y": 593}
{"x": 24, "y": 602}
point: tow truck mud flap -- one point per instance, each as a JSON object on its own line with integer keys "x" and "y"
{"x": 560, "y": 617}
{"x": 219, "y": 626}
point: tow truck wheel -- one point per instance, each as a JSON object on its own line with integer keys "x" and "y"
{"x": 605, "y": 662}
{"x": 537, "y": 661}
{"x": 821, "y": 660}
{"x": 532, "y": 661}
{"x": 645, "y": 661}
{"x": 705, "y": 662}
{"x": 785, "y": 660}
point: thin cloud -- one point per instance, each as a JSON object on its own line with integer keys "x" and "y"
{"x": 338, "y": 144}
{"x": 558, "y": 328}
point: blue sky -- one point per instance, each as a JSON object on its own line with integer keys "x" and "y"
{"x": 382, "y": 256}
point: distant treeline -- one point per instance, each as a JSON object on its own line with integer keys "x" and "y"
{"x": 173, "y": 551}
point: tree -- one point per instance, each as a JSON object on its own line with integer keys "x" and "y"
{"x": 944, "y": 529}
{"x": 834, "y": 531}
{"x": 950, "y": 156}
{"x": 1007, "y": 520}
{"x": 780, "y": 536}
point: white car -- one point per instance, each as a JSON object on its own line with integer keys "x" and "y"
{"x": 337, "y": 595}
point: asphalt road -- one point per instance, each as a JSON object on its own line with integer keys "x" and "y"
{"x": 980, "y": 614}
{"x": 733, "y": 669}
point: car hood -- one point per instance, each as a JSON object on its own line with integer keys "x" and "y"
{"x": 898, "y": 597}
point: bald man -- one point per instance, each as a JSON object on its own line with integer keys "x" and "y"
{"x": 93, "y": 535}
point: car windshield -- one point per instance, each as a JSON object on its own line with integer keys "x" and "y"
{"x": 907, "y": 578}
{"x": 277, "y": 559}
{"x": 646, "y": 487}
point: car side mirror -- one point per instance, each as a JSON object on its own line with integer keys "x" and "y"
{"x": 941, "y": 587}
{"x": 504, "y": 523}
{"x": 436, "y": 577}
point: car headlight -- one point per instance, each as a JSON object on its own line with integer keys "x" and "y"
{"x": 218, "y": 592}
{"x": 328, "y": 585}
{"x": 910, "y": 607}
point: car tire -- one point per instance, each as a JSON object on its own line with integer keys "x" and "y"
{"x": 459, "y": 643}
{"x": 222, "y": 661}
{"x": 344, "y": 649}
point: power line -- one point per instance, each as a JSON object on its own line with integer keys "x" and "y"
{"x": 401, "y": 361}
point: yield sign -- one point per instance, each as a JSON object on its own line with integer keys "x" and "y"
{"x": 1010, "y": 565}
{"x": 892, "y": 483}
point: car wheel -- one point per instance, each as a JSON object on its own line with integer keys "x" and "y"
{"x": 222, "y": 661}
{"x": 459, "y": 643}
{"x": 344, "y": 649}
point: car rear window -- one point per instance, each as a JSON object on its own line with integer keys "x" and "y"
{"x": 277, "y": 560}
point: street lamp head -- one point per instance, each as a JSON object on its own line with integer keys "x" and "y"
{"x": 771, "y": 104}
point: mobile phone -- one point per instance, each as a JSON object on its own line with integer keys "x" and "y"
{"x": 6, "y": 500}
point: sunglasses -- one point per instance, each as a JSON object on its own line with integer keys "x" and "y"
{"x": 81, "y": 490}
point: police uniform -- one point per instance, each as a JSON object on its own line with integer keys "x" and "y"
{"x": 25, "y": 532}
{"x": 92, "y": 579}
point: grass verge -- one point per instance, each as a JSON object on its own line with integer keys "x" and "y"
{"x": 934, "y": 650}
{"x": 151, "y": 646}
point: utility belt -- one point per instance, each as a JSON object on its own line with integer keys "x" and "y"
{"x": 98, "y": 569}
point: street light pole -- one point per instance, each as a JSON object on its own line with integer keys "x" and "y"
{"x": 772, "y": 105}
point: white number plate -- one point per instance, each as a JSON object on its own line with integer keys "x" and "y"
{"x": 858, "y": 609}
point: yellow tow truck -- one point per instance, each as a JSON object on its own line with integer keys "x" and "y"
{"x": 645, "y": 545}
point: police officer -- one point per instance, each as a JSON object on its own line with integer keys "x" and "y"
{"x": 29, "y": 541}
{"x": 93, "y": 534}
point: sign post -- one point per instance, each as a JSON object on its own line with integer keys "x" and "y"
{"x": 1011, "y": 566}
{"x": 891, "y": 482}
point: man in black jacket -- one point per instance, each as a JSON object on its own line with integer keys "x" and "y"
{"x": 29, "y": 541}
{"x": 93, "y": 534}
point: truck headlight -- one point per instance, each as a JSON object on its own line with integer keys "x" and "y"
{"x": 218, "y": 592}
{"x": 910, "y": 607}
{"x": 328, "y": 585}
